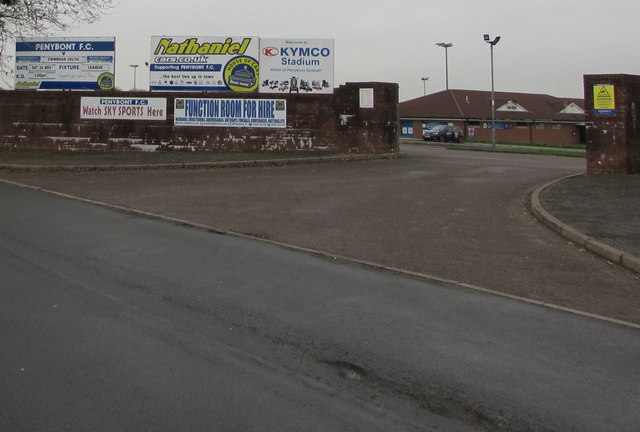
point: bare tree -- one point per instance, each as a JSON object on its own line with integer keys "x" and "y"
{"x": 21, "y": 18}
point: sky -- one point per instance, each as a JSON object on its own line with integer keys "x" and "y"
{"x": 546, "y": 46}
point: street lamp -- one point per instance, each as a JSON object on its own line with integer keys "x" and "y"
{"x": 424, "y": 84}
{"x": 446, "y": 47}
{"x": 135, "y": 69}
{"x": 492, "y": 43}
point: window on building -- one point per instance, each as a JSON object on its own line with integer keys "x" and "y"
{"x": 407, "y": 128}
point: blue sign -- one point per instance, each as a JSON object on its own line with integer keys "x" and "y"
{"x": 65, "y": 63}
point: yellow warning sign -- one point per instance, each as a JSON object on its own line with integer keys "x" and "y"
{"x": 604, "y": 98}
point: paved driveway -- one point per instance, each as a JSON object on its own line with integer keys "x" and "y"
{"x": 454, "y": 214}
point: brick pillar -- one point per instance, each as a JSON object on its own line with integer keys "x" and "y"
{"x": 612, "y": 105}
{"x": 368, "y": 117}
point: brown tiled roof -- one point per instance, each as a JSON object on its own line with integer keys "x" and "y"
{"x": 475, "y": 104}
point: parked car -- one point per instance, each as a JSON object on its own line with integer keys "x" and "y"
{"x": 443, "y": 133}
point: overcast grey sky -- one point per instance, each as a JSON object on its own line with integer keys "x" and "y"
{"x": 546, "y": 46}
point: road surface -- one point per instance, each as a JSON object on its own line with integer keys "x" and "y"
{"x": 458, "y": 215}
{"x": 115, "y": 322}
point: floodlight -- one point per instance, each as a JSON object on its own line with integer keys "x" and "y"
{"x": 492, "y": 43}
{"x": 446, "y": 46}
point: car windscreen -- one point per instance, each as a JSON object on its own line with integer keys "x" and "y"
{"x": 438, "y": 128}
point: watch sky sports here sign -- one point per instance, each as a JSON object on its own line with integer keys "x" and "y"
{"x": 123, "y": 108}
{"x": 65, "y": 63}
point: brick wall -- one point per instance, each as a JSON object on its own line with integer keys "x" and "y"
{"x": 559, "y": 134}
{"x": 50, "y": 121}
{"x": 613, "y": 140}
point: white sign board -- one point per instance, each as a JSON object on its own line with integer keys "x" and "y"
{"x": 256, "y": 113}
{"x": 296, "y": 65}
{"x": 123, "y": 108}
{"x": 366, "y": 98}
{"x": 204, "y": 63}
{"x": 65, "y": 63}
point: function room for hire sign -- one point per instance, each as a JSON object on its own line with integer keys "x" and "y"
{"x": 257, "y": 113}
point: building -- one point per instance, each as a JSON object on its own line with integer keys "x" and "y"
{"x": 519, "y": 117}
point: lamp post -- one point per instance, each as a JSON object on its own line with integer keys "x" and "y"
{"x": 446, "y": 47}
{"x": 424, "y": 85}
{"x": 135, "y": 70}
{"x": 492, "y": 43}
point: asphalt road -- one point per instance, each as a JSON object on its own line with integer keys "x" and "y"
{"x": 457, "y": 215}
{"x": 115, "y": 322}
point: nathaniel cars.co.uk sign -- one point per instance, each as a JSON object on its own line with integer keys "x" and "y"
{"x": 204, "y": 63}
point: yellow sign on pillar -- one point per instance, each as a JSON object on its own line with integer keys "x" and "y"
{"x": 604, "y": 99}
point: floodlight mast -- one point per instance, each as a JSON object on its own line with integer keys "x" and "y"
{"x": 492, "y": 43}
{"x": 446, "y": 46}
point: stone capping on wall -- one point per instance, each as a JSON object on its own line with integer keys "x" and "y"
{"x": 50, "y": 121}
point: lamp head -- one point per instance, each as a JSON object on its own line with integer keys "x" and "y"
{"x": 488, "y": 40}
